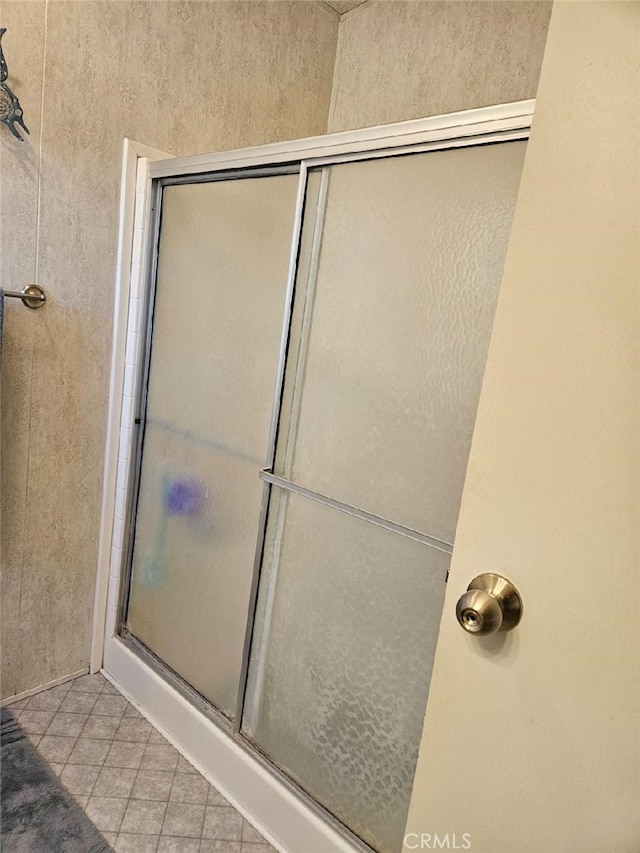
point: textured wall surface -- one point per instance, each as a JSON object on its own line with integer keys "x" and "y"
{"x": 185, "y": 77}
{"x": 23, "y": 45}
{"x": 404, "y": 59}
{"x": 552, "y": 495}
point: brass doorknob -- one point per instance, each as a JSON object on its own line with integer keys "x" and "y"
{"x": 491, "y": 603}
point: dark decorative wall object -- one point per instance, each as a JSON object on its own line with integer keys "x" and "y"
{"x": 10, "y": 109}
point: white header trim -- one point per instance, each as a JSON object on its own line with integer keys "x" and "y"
{"x": 468, "y": 123}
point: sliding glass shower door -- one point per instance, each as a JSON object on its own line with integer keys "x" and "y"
{"x": 394, "y": 308}
{"x": 222, "y": 266}
{"x": 316, "y": 350}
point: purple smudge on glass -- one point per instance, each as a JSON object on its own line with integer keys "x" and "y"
{"x": 185, "y": 496}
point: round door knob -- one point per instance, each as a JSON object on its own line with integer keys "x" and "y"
{"x": 491, "y": 603}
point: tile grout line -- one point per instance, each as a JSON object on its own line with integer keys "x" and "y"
{"x": 164, "y": 817}
{"x": 111, "y": 741}
{"x": 74, "y": 746}
{"x": 138, "y": 770}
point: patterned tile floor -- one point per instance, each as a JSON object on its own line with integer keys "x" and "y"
{"x": 141, "y": 794}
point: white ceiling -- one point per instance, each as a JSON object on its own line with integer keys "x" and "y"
{"x": 343, "y": 6}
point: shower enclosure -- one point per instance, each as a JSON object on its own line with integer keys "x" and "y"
{"x": 317, "y": 322}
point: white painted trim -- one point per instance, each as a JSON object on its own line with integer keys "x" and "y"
{"x": 280, "y": 816}
{"x": 267, "y": 802}
{"x": 467, "y": 123}
{"x": 34, "y": 690}
{"x": 132, "y": 153}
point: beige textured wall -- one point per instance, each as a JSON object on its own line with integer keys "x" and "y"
{"x": 19, "y": 166}
{"x": 185, "y": 77}
{"x": 404, "y": 59}
{"x": 531, "y": 744}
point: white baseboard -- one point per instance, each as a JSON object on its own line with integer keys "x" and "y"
{"x": 32, "y": 692}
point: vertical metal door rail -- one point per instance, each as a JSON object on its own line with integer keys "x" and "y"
{"x": 140, "y": 395}
{"x": 273, "y": 437}
{"x": 294, "y": 368}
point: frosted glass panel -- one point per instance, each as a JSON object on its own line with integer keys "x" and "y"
{"x": 222, "y": 273}
{"x": 389, "y": 376}
{"x": 347, "y": 624}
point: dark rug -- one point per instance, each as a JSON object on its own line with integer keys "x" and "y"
{"x": 37, "y": 814}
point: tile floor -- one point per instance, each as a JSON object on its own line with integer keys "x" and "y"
{"x": 141, "y": 794}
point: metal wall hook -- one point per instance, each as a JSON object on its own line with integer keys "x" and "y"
{"x": 32, "y": 295}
